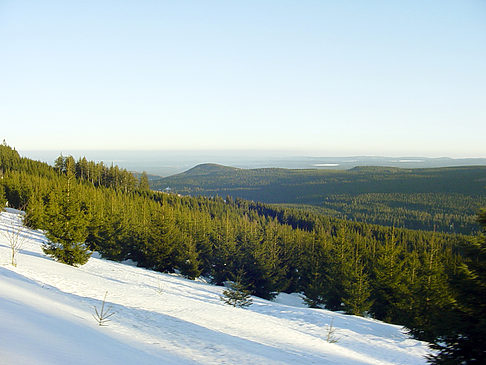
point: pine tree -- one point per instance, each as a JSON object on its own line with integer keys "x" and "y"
{"x": 314, "y": 271}
{"x": 35, "y": 213}
{"x": 65, "y": 223}
{"x": 143, "y": 183}
{"x": 187, "y": 258}
{"x": 356, "y": 290}
{"x": 204, "y": 248}
{"x": 109, "y": 236}
{"x": 3, "y": 199}
{"x": 433, "y": 298}
{"x": 314, "y": 291}
{"x": 463, "y": 340}
{"x": 335, "y": 275}
{"x": 224, "y": 251}
{"x": 355, "y": 280}
{"x": 389, "y": 281}
{"x": 237, "y": 295}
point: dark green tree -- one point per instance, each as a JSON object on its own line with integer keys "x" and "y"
{"x": 314, "y": 291}
{"x": 337, "y": 263}
{"x": 463, "y": 341}
{"x": 143, "y": 183}
{"x": 314, "y": 267}
{"x": 433, "y": 299}
{"x": 237, "y": 294}
{"x": 65, "y": 224}
{"x": 187, "y": 257}
{"x": 389, "y": 281}
{"x": 34, "y": 216}
{"x": 3, "y": 199}
{"x": 356, "y": 289}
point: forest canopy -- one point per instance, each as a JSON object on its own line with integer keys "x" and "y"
{"x": 441, "y": 199}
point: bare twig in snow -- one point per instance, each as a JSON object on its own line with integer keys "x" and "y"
{"x": 331, "y": 338}
{"x": 15, "y": 237}
{"x": 102, "y": 316}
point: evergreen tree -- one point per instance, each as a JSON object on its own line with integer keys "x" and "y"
{"x": 339, "y": 256}
{"x": 65, "y": 223}
{"x": 237, "y": 295}
{"x": 34, "y": 216}
{"x": 202, "y": 237}
{"x": 187, "y": 257}
{"x": 314, "y": 291}
{"x": 3, "y": 199}
{"x": 109, "y": 236}
{"x": 462, "y": 342}
{"x": 160, "y": 238}
{"x": 432, "y": 296}
{"x": 60, "y": 164}
{"x": 224, "y": 249}
{"x": 314, "y": 271}
{"x": 356, "y": 290}
{"x": 390, "y": 289}
{"x": 143, "y": 183}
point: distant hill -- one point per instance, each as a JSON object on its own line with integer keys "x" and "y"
{"x": 209, "y": 169}
{"x": 445, "y": 198}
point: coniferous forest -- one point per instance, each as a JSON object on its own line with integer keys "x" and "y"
{"x": 432, "y": 283}
{"x": 442, "y": 199}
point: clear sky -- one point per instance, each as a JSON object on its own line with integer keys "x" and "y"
{"x": 315, "y": 77}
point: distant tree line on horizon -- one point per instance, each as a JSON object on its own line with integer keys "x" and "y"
{"x": 429, "y": 282}
{"x": 441, "y": 199}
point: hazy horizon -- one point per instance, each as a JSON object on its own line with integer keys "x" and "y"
{"x": 165, "y": 163}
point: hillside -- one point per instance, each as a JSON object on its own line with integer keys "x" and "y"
{"x": 446, "y": 199}
{"x": 46, "y": 313}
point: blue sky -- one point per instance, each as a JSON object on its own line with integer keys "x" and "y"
{"x": 310, "y": 77}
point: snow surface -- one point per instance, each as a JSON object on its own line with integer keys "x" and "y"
{"x": 46, "y": 317}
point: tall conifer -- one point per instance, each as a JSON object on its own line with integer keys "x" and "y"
{"x": 66, "y": 223}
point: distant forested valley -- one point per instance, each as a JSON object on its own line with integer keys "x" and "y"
{"x": 433, "y": 283}
{"x": 442, "y": 199}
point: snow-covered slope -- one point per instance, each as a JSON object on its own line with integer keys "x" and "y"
{"x": 46, "y": 317}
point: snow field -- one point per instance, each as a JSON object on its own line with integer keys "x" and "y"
{"x": 46, "y": 317}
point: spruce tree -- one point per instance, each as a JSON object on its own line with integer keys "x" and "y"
{"x": 356, "y": 290}
{"x": 433, "y": 298}
{"x": 390, "y": 291}
{"x": 314, "y": 291}
{"x": 3, "y": 199}
{"x": 463, "y": 341}
{"x": 237, "y": 294}
{"x": 35, "y": 213}
{"x": 143, "y": 183}
{"x": 338, "y": 259}
{"x": 65, "y": 224}
{"x": 314, "y": 267}
{"x": 187, "y": 258}
{"x": 224, "y": 251}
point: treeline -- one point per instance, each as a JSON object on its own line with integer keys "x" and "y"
{"x": 397, "y": 275}
{"x": 100, "y": 175}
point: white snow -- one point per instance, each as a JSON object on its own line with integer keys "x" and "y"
{"x": 46, "y": 317}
